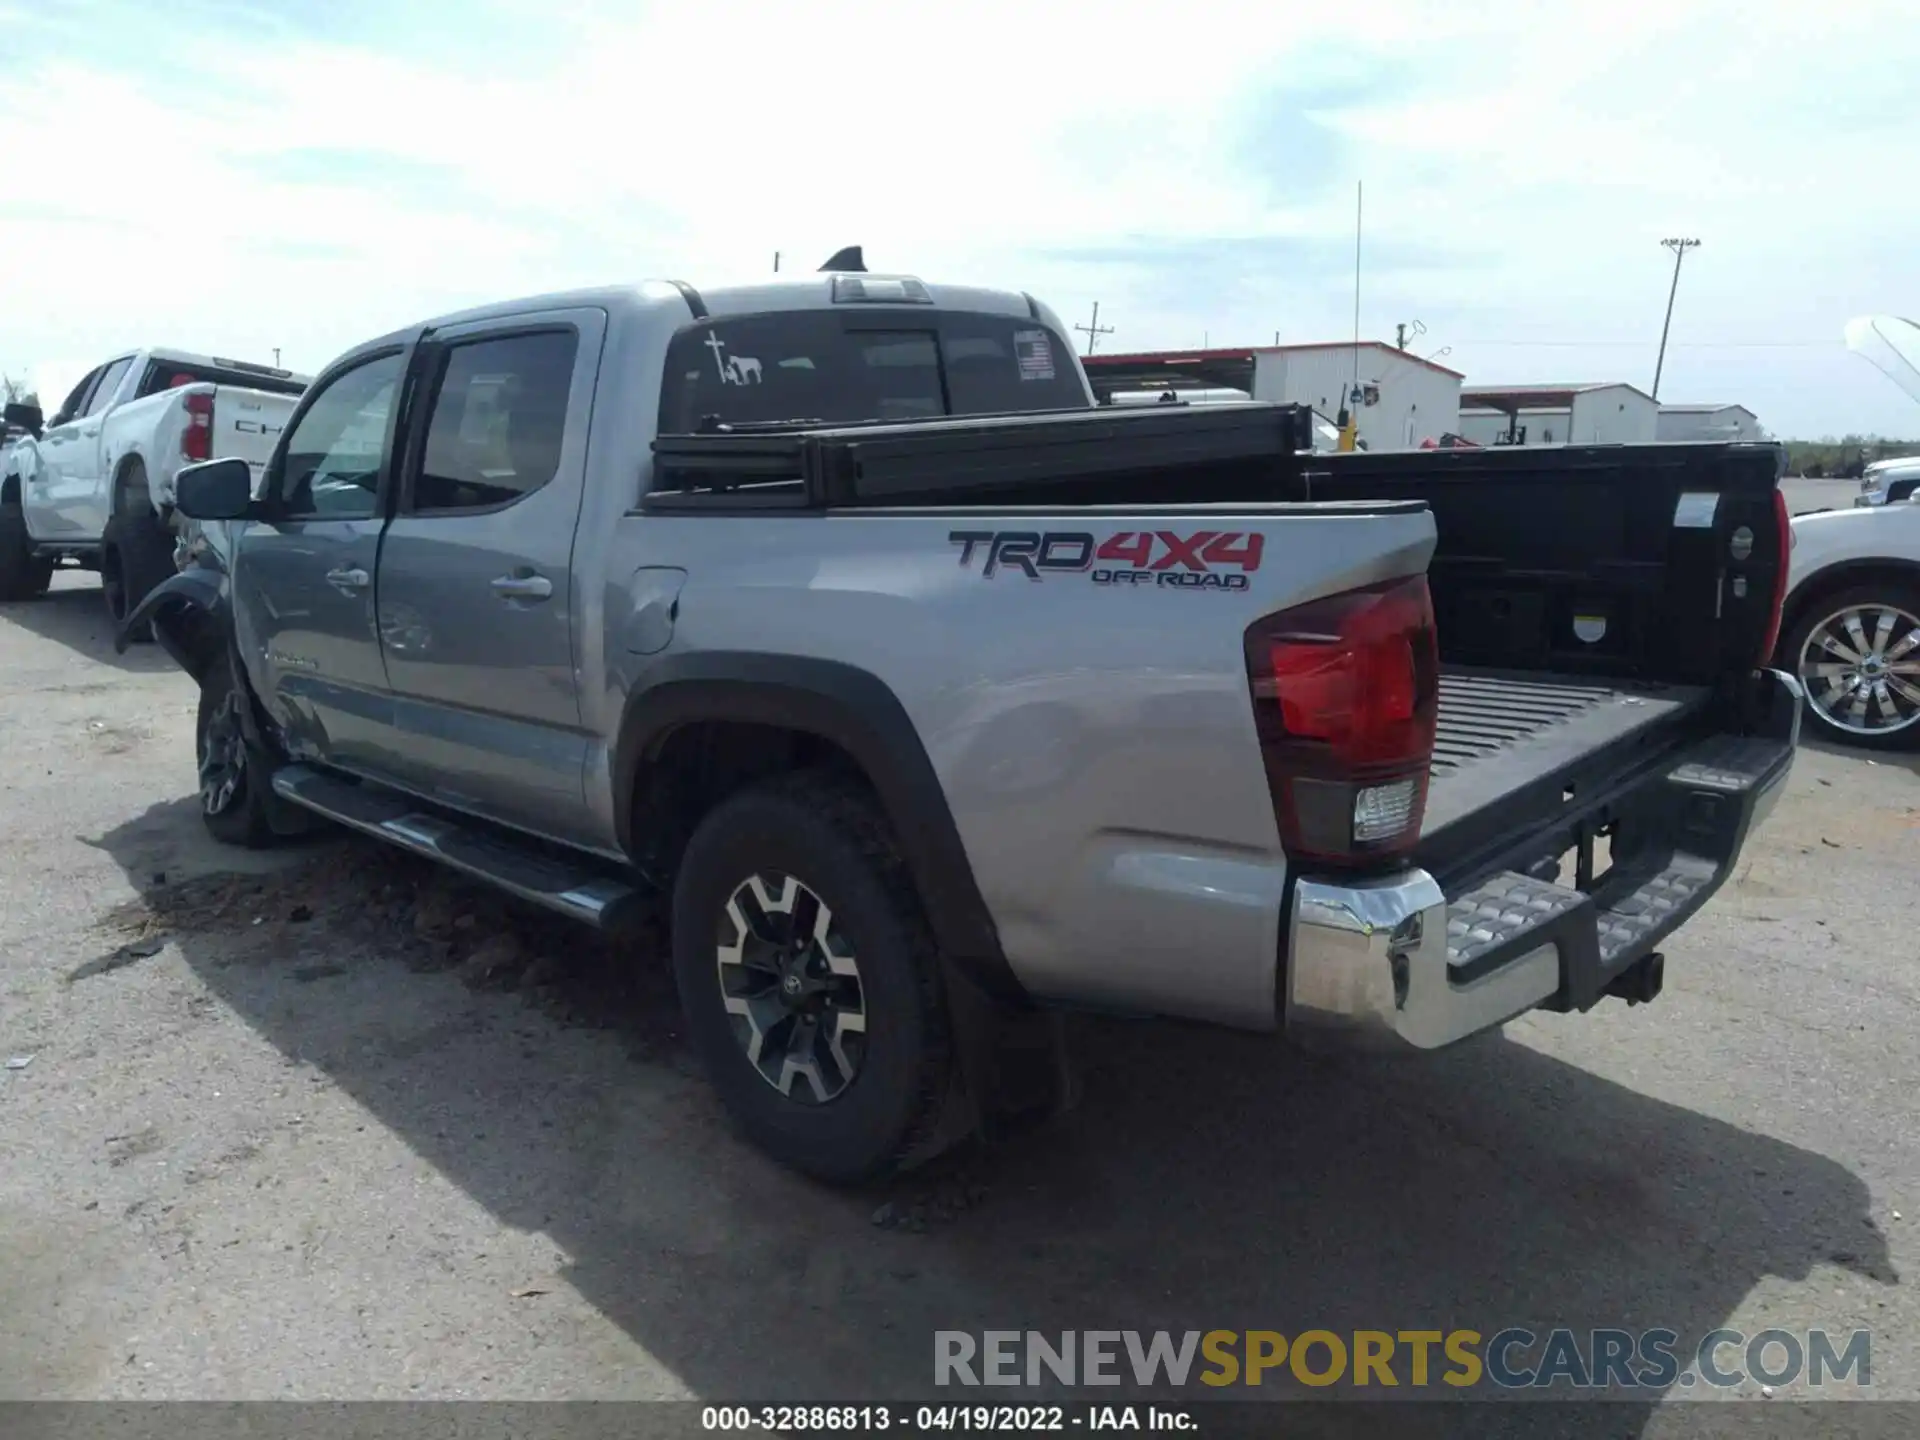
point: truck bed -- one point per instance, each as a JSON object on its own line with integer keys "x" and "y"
{"x": 1513, "y": 748}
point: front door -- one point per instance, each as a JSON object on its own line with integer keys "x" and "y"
{"x": 477, "y": 593}
{"x": 304, "y": 579}
{"x": 56, "y": 457}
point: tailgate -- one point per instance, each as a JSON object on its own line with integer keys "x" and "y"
{"x": 242, "y": 424}
{"x": 1514, "y": 750}
{"x": 247, "y": 424}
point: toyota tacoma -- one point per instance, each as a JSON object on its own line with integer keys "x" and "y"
{"x": 829, "y": 620}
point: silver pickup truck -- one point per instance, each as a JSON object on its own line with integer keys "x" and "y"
{"x": 925, "y": 697}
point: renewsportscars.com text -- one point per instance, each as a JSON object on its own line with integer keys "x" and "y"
{"x": 1511, "y": 1358}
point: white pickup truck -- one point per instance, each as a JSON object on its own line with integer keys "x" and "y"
{"x": 1851, "y": 623}
{"x": 93, "y": 486}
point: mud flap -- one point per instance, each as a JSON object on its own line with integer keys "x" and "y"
{"x": 1012, "y": 1059}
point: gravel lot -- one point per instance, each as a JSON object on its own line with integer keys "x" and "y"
{"x": 284, "y": 1133}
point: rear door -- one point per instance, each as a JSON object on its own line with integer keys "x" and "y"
{"x": 477, "y": 594}
{"x": 304, "y": 580}
{"x": 52, "y": 453}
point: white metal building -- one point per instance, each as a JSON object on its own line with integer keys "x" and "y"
{"x": 1597, "y": 414}
{"x": 1709, "y": 422}
{"x": 1403, "y": 398}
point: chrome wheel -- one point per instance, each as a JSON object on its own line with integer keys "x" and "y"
{"x": 223, "y": 757}
{"x": 1860, "y": 667}
{"x": 791, "y": 988}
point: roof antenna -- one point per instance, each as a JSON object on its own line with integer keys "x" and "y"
{"x": 847, "y": 259}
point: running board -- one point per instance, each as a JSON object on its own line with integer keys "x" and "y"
{"x": 577, "y": 891}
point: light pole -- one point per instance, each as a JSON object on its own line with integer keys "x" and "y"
{"x": 1679, "y": 248}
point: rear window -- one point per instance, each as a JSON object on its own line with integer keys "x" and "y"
{"x": 169, "y": 375}
{"x": 828, "y": 366}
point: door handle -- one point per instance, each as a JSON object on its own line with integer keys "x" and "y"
{"x": 523, "y": 587}
{"x": 348, "y": 580}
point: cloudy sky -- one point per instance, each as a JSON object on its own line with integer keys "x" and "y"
{"x": 239, "y": 175}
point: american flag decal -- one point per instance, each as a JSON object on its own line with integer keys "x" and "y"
{"x": 1035, "y": 353}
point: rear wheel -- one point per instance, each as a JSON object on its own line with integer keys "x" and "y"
{"x": 233, "y": 803}
{"x": 809, "y": 980}
{"x": 1857, "y": 655}
{"x": 22, "y": 577}
{"x": 136, "y": 554}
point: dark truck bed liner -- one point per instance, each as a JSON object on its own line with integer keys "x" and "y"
{"x": 1500, "y": 733}
{"x": 1516, "y": 754}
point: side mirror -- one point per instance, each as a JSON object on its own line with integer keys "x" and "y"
{"x": 27, "y": 417}
{"x": 214, "y": 490}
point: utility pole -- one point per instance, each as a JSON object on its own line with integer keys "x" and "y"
{"x": 776, "y": 262}
{"x": 276, "y": 357}
{"x": 1679, "y": 248}
{"x": 1093, "y": 329}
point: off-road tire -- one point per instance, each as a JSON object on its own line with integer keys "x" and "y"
{"x": 243, "y": 819}
{"x": 22, "y": 577}
{"x": 136, "y": 554}
{"x": 828, "y": 835}
{"x": 1887, "y": 595}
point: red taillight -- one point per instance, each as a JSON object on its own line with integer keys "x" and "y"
{"x": 196, "y": 442}
{"x": 1346, "y": 694}
{"x": 1783, "y": 528}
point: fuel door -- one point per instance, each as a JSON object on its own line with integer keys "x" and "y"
{"x": 653, "y": 604}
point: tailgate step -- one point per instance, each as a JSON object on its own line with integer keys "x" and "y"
{"x": 1733, "y": 763}
{"x": 1656, "y": 903}
{"x": 1674, "y": 832}
{"x": 1505, "y": 910}
{"x": 515, "y": 866}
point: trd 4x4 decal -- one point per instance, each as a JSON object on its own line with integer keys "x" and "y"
{"x": 1203, "y": 560}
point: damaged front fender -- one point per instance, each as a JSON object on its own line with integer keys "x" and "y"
{"x": 189, "y": 616}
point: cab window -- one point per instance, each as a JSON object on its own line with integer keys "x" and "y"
{"x": 109, "y": 385}
{"x": 332, "y": 461}
{"x": 498, "y": 419}
{"x": 829, "y": 367}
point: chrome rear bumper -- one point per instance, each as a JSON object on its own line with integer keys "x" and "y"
{"x": 1368, "y": 965}
{"x": 1397, "y": 960}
